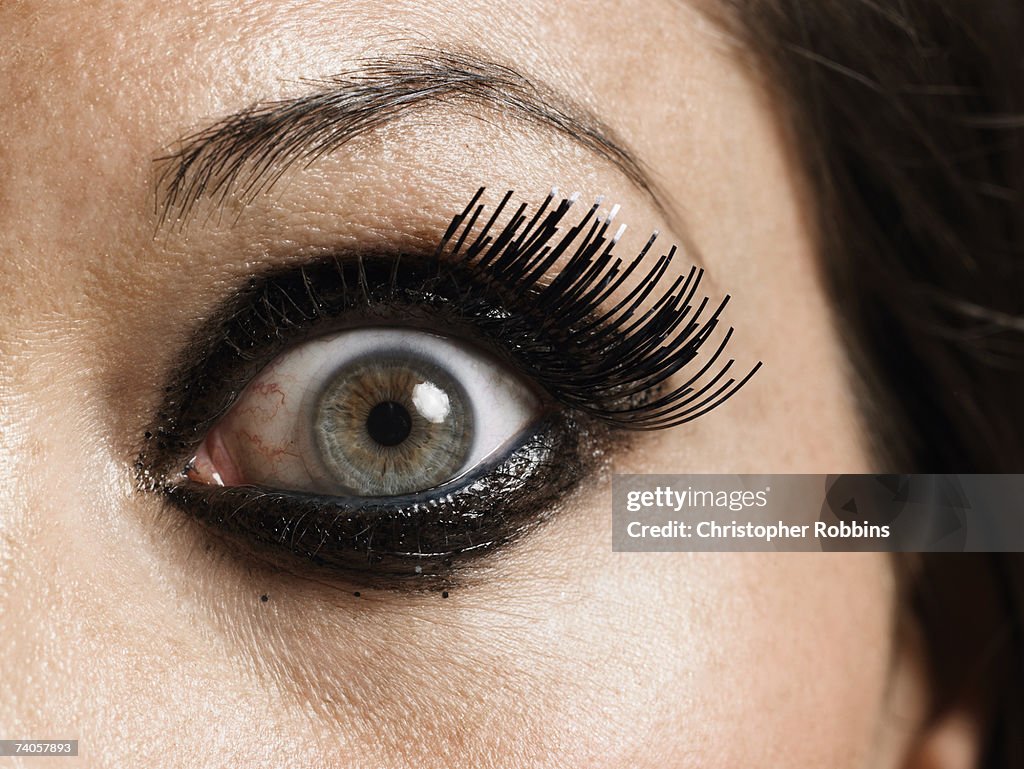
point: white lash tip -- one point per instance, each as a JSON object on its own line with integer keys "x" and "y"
{"x": 618, "y": 232}
{"x": 574, "y": 197}
{"x": 599, "y": 200}
{"x": 614, "y": 212}
{"x": 554, "y": 192}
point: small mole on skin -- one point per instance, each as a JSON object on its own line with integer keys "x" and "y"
{"x": 356, "y": 594}
{"x": 264, "y": 598}
{"x": 444, "y": 594}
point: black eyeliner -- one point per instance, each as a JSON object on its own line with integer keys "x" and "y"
{"x": 421, "y": 538}
{"x": 602, "y": 367}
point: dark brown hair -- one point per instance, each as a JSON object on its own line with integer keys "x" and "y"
{"x": 907, "y": 117}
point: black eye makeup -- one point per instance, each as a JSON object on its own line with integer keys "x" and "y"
{"x": 389, "y": 416}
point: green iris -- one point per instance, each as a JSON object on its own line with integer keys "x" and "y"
{"x": 393, "y": 426}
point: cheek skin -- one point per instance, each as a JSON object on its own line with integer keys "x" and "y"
{"x": 567, "y": 654}
{"x": 133, "y": 631}
{"x": 745, "y": 657}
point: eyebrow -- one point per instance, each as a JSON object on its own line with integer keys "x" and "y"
{"x": 245, "y": 153}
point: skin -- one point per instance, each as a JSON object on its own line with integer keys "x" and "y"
{"x": 128, "y": 627}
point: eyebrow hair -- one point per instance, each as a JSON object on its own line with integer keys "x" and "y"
{"x": 247, "y": 152}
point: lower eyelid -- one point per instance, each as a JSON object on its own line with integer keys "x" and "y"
{"x": 385, "y": 543}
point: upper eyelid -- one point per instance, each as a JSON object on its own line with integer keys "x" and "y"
{"x": 248, "y": 151}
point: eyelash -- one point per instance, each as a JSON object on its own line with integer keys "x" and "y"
{"x": 604, "y": 368}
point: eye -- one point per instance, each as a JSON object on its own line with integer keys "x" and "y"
{"x": 369, "y": 412}
{"x": 395, "y": 415}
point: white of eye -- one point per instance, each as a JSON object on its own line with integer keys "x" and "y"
{"x": 269, "y": 430}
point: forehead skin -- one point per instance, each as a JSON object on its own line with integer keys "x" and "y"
{"x": 123, "y": 628}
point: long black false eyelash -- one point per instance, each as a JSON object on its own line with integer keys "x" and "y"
{"x": 609, "y": 361}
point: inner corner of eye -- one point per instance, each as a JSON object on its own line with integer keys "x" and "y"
{"x": 368, "y": 412}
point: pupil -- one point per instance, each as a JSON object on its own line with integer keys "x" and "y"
{"x": 389, "y": 423}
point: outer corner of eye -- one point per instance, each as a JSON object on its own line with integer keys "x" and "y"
{"x": 368, "y": 412}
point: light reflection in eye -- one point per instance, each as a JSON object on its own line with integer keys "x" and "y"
{"x": 371, "y": 412}
{"x": 431, "y": 401}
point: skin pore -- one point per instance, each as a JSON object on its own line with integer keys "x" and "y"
{"x": 128, "y": 627}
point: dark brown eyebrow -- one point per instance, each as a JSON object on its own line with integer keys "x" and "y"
{"x": 247, "y": 152}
